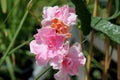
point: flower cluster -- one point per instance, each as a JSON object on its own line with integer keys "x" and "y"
{"x": 51, "y": 44}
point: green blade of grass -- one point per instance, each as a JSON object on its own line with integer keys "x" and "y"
{"x": 21, "y": 45}
{"x": 4, "y": 6}
{"x": 10, "y": 69}
{"x": 48, "y": 68}
{"x": 14, "y": 38}
{"x": 16, "y": 33}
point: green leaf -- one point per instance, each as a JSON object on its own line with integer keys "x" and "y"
{"x": 14, "y": 38}
{"x": 10, "y": 68}
{"x": 4, "y": 6}
{"x": 117, "y": 10}
{"x": 84, "y": 15}
{"x": 106, "y": 27}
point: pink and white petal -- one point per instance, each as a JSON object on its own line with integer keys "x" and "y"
{"x": 65, "y": 13}
{"x": 37, "y": 38}
{"x": 59, "y": 40}
{"x": 56, "y": 61}
{"x": 77, "y": 46}
{"x": 82, "y": 59}
{"x": 74, "y": 68}
{"x": 73, "y": 60}
{"x": 61, "y": 76}
{"x": 48, "y": 12}
{"x": 42, "y": 59}
{"x": 46, "y": 31}
{"x": 72, "y": 19}
{"x": 34, "y": 47}
{"x": 71, "y": 10}
{"x": 46, "y": 23}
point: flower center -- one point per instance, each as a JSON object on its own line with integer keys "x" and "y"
{"x": 61, "y": 28}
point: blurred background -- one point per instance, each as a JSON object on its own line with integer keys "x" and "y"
{"x": 20, "y": 64}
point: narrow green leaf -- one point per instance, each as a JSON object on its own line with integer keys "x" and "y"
{"x": 48, "y": 68}
{"x": 14, "y": 38}
{"x": 117, "y": 10}
{"x": 19, "y": 46}
{"x": 83, "y": 14}
{"x": 106, "y": 27}
{"x": 4, "y": 6}
{"x": 10, "y": 68}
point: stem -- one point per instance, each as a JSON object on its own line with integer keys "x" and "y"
{"x": 118, "y": 64}
{"x": 107, "y": 42}
{"x": 21, "y": 45}
{"x": 14, "y": 38}
{"x": 89, "y": 58}
{"x": 48, "y": 68}
{"x": 110, "y": 57}
{"x": 106, "y": 59}
{"x": 81, "y": 38}
{"x": 13, "y": 59}
{"x": 97, "y": 64}
{"x": 95, "y": 8}
{"x": 109, "y": 7}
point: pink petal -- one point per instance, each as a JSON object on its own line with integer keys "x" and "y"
{"x": 41, "y": 59}
{"x": 41, "y": 51}
{"x": 73, "y": 60}
{"x": 61, "y": 76}
{"x": 82, "y": 59}
{"x": 34, "y": 47}
{"x": 46, "y": 23}
{"x": 65, "y": 14}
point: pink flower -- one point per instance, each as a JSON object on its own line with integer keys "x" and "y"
{"x": 71, "y": 63}
{"x": 65, "y": 14}
{"x": 46, "y": 45}
{"x": 51, "y": 45}
{"x": 49, "y": 37}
